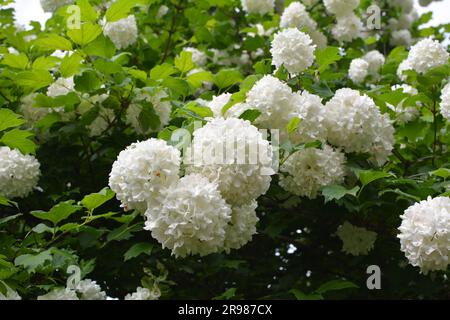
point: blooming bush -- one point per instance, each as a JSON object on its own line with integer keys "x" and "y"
{"x": 154, "y": 149}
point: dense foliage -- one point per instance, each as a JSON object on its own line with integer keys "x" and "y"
{"x": 74, "y": 96}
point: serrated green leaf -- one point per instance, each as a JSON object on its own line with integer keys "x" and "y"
{"x": 9, "y": 119}
{"x": 336, "y": 192}
{"x": 53, "y": 42}
{"x": 58, "y": 213}
{"x": 95, "y": 200}
{"x": 87, "y": 33}
{"x": 17, "y": 61}
{"x": 138, "y": 249}
{"x": 19, "y": 139}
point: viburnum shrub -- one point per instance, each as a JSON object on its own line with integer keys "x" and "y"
{"x": 260, "y": 149}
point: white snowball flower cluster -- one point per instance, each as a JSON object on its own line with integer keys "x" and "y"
{"x": 143, "y": 172}
{"x": 309, "y": 109}
{"x": 341, "y": 7}
{"x": 425, "y": 234}
{"x": 370, "y": 63}
{"x": 143, "y": 294}
{"x": 425, "y": 55}
{"x": 85, "y": 290}
{"x": 242, "y": 226}
{"x": 30, "y": 113}
{"x": 258, "y": 6}
{"x": 307, "y": 171}
{"x": 347, "y": 28}
{"x": 355, "y": 124}
{"x": 405, "y": 114}
{"x": 296, "y": 16}
{"x": 61, "y": 87}
{"x": 445, "y": 102}
{"x": 60, "y": 294}
{"x": 292, "y": 49}
{"x": 192, "y": 219}
{"x": 19, "y": 174}
{"x": 52, "y": 5}
{"x": 401, "y": 38}
{"x": 405, "y": 5}
{"x": 161, "y": 106}
{"x": 275, "y": 100}
{"x": 356, "y": 241}
{"x": 233, "y": 153}
{"x": 105, "y": 115}
{"x": 123, "y": 32}
{"x": 358, "y": 71}
{"x": 218, "y": 102}
{"x": 198, "y": 57}
{"x": 405, "y": 65}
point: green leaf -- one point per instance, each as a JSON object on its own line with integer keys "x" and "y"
{"x": 88, "y": 13}
{"x": 148, "y": 118}
{"x": 197, "y": 79}
{"x": 178, "y": 86}
{"x": 102, "y": 47}
{"x": 58, "y": 213}
{"x": 201, "y": 111}
{"x": 441, "y": 172}
{"x": 19, "y": 139}
{"x": 41, "y": 228}
{"x": 71, "y": 65}
{"x": 35, "y": 79}
{"x": 53, "y": 42}
{"x": 293, "y": 124}
{"x": 162, "y": 71}
{"x": 184, "y": 62}
{"x": 263, "y": 67}
{"x": 300, "y": 295}
{"x": 138, "y": 249}
{"x": 250, "y": 115}
{"x": 16, "y": 61}
{"x": 32, "y": 262}
{"x": 227, "y": 295}
{"x": 45, "y": 63}
{"x": 120, "y": 9}
{"x": 124, "y": 232}
{"x": 9, "y": 218}
{"x": 95, "y": 200}
{"x": 4, "y": 202}
{"x": 86, "y": 34}
{"x": 327, "y": 56}
{"x": 226, "y": 78}
{"x": 336, "y": 192}
{"x": 87, "y": 82}
{"x": 368, "y": 176}
{"x": 9, "y": 119}
{"x": 334, "y": 285}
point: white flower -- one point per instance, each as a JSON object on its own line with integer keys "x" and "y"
{"x": 341, "y": 7}
{"x": 10, "y": 293}
{"x": 405, "y": 21}
{"x": 404, "y": 66}
{"x": 161, "y": 106}
{"x": 143, "y": 172}
{"x": 61, "y": 87}
{"x": 275, "y": 100}
{"x": 427, "y": 54}
{"x": 198, "y": 57}
{"x": 445, "y": 102}
{"x": 192, "y": 219}
{"x": 162, "y": 11}
{"x": 355, "y": 123}
{"x": 307, "y": 171}
{"x": 237, "y": 110}
{"x": 59, "y": 294}
{"x": 401, "y": 38}
{"x": 292, "y": 49}
{"x": 143, "y": 294}
{"x": 296, "y": 16}
{"x": 356, "y": 241}
{"x": 233, "y": 153}
{"x": 258, "y": 6}
{"x": 309, "y": 110}
{"x": 123, "y": 32}
{"x": 318, "y": 38}
{"x": 242, "y": 226}
{"x": 425, "y": 234}
{"x": 218, "y": 102}
{"x": 90, "y": 290}
{"x": 347, "y": 28}
{"x": 405, "y": 114}
{"x": 375, "y": 59}
{"x": 406, "y": 5}
{"x": 358, "y": 71}
{"x": 19, "y": 174}
{"x": 52, "y": 5}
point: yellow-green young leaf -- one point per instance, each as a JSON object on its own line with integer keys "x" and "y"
{"x": 9, "y": 119}
{"x": 162, "y": 71}
{"x": 95, "y": 200}
{"x": 120, "y": 9}
{"x": 86, "y": 34}
{"x": 368, "y": 176}
{"x": 293, "y": 124}
{"x": 16, "y": 61}
{"x": 19, "y": 139}
{"x": 184, "y": 62}
{"x": 45, "y": 63}
{"x": 138, "y": 74}
{"x": 327, "y": 56}
{"x": 35, "y": 79}
{"x": 53, "y": 42}
{"x": 226, "y": 78}
{"x": 71, "y": 65}
{"x": 197, "y": 79}
{"x": 58, "y": 213}
{"x": 442, "y": 172}
{"x": 101, "y": 47}
{"x": 88, "y": 13}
